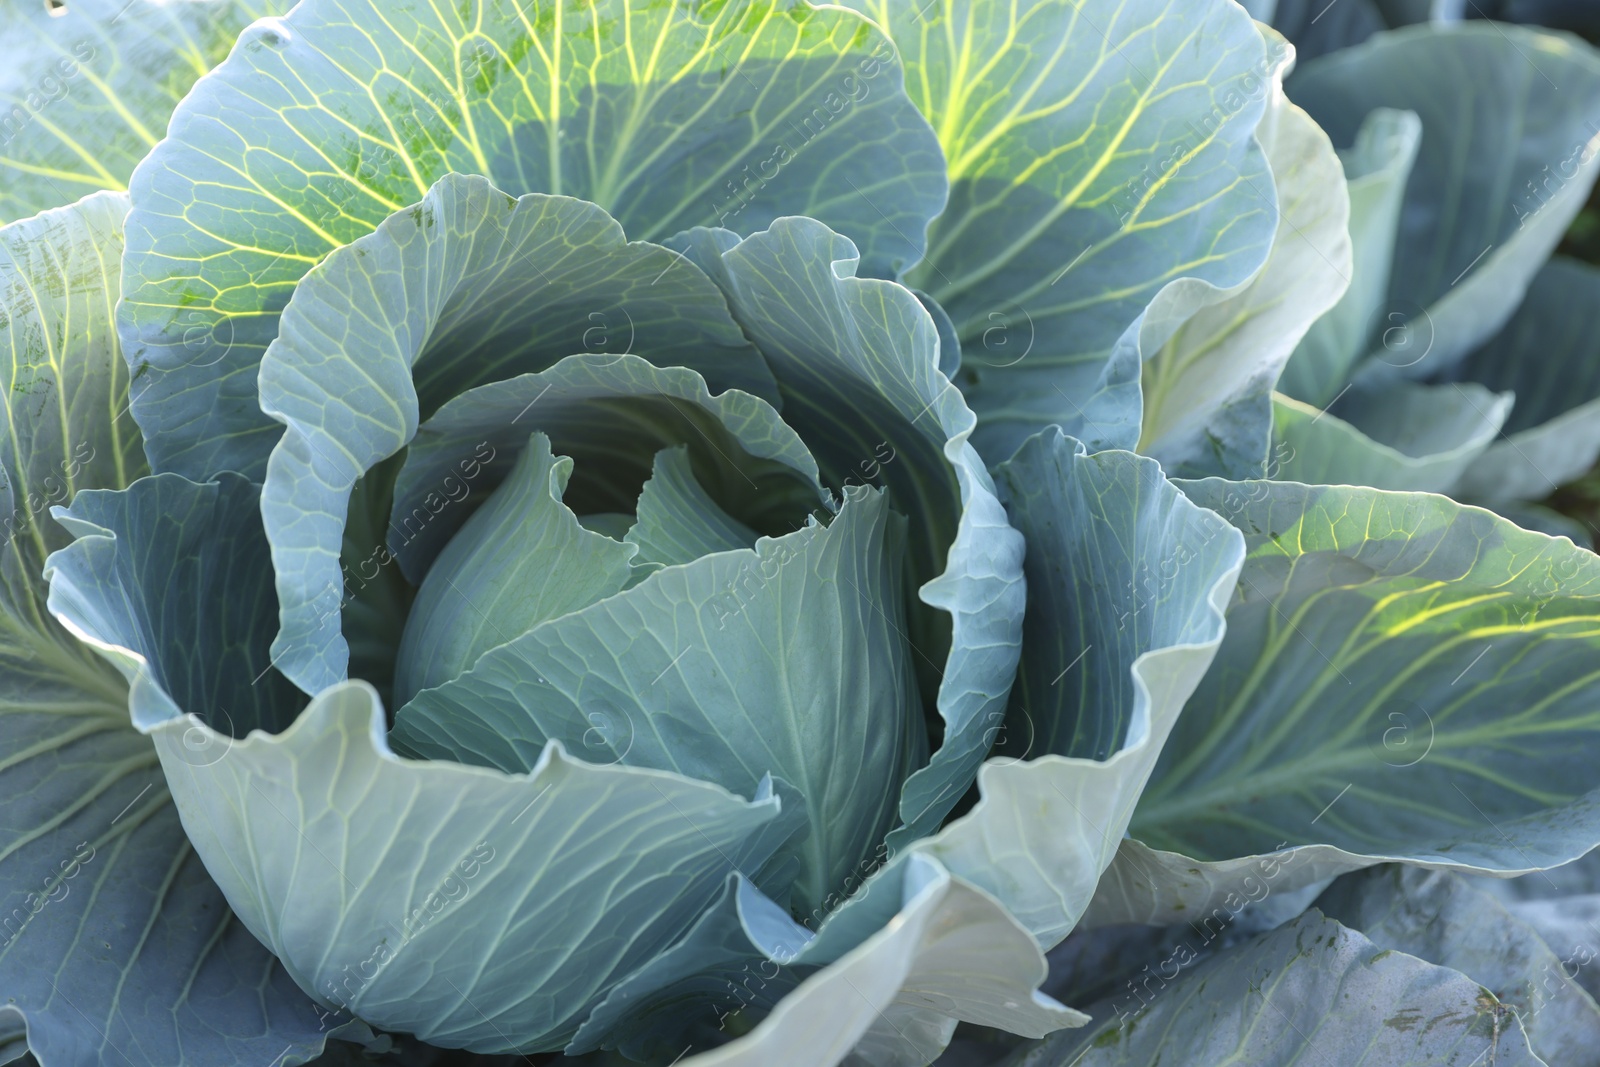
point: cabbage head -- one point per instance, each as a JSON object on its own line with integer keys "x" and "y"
{"x": 642, "y": 532}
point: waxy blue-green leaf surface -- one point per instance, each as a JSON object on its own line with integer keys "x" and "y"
{"x": 663, "y": 506}
{"x": 1398, "y": 435}
{"x": 87, "y": 88}
{"x": 1507, "y": 158}
{"x": 1563, "y": 907}
{"x": 1119, "y": 565}
{"x": 150, "y": 965}
{"x": 736, "y": 959}
{"x": 952, "y": 953}
{"x": 1404, "y": 678}
{"x": 1440, "y": 917}
{"x": 115, "y": 945}
{"x": 1376, "y": 168}
{"x": 677, "y": 520}
{"x": 1485, "y": 203}
{"x": 1546, "y": 356}
{"x": 1317, "y": 27}
{"x": 1124, "y": 615}
{"x": 857, "y": 362}
{"x": 324, "y": 123}
{"x": 522, "y": 559}
{"x": 64, "y": 426}
{"x": 267, "y": 813}
{"x": 1097, "y": 153}
{"x": 1208, "y": 389}
{"x": 787, "y": 659}
{"x": 468, "y": 287}
{"x": 1127, "y": 584}
{"x": 164, "y": 580}
{"x": 371, "y": 876}
{"x": 1309, "y": 992}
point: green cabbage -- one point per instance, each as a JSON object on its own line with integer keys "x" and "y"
{"x": 751, "y": 532}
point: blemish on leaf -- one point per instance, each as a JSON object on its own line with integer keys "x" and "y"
{"x": 1405, "y": 1020}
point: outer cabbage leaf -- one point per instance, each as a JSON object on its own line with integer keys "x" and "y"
{"x": 271, "y": 811}
{"x": 951, "y": 952}
{"x": 1400, "y": 436}
{"x": 1545, "y": 355}
{"x": 1404, "y": 678}
{"x": 737, "y": 959}
{"x": 1563, "y": 905}
{"x": 64, "y": 422}
{"x": 1394, "y": 435}
{"x": 787, "y": 659}
{"x": 558, "y": 854}
{"x": 857, "y": 363}
{"x": 1125, "y": 616}
{"x": 307, "y": 791}
{"x": 1376, "y": 169}
{"x": 115, "y": 945}
{"x": 1208, "y": 389}
{"x": 1128, "y": 581}
{"x": 1309, "y": 991}
{"x": 1097, "y": 152}
{"x": 322, "y": 124}
{"x": 1437, "y": 916}
{"x": 88, "y": 87}
{"x": 891, "y": 1001}
{"x": 157, "y": 583}
{"x": 1490, "y": 195}
{"x": 591, "y": 871}
{"x": 467, "y": 287}
{"x": 1570, "y": 925}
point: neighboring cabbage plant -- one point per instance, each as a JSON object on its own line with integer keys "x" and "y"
{"x": 1459, "y": 360}
{"x": 618, "y": 531}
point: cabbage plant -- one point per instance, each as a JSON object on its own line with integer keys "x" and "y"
{"x": 681, "y": 533}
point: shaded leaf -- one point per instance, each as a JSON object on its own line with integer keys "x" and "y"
{"x": 1437, "y": 916}
{"x": 1310, "y": 985}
